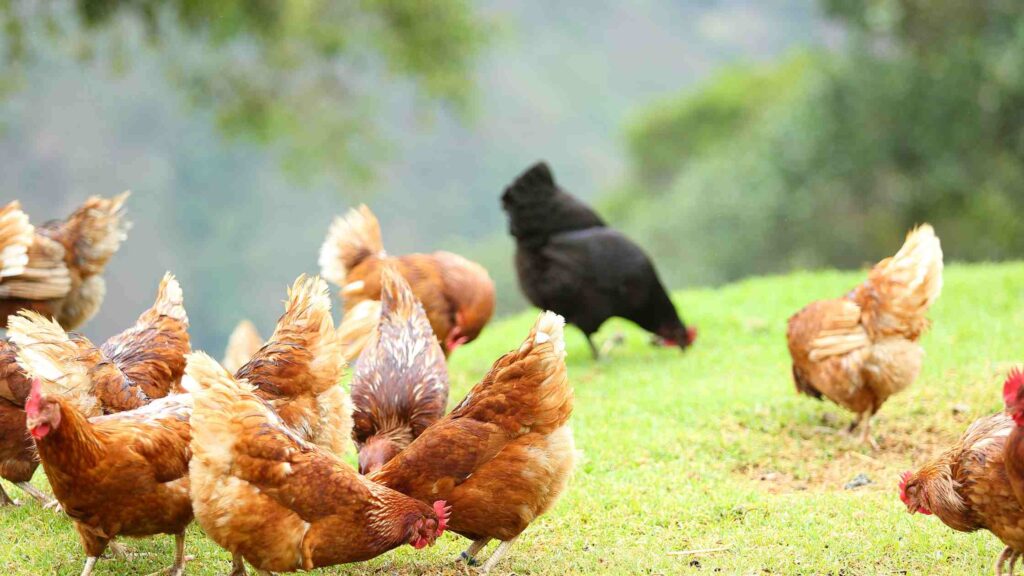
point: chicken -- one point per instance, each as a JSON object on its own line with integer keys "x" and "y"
{"x": 128, "y": 371}
{"x": 144, "y": 362}
{"x": 862, "y": 348}
{"x": 569, "y": 261}
{"x": 968, "y": 489}
{"x": 245, "y": 340}
{"x": 299, "y": 369}
{"x": 61, "y": 277}
{"x": 458, "y": 295}
{"x": 400, "y": 384}
{"x": 120, "y": 475}
{"x": 504, "y": 455}
{"x": 280, "y": 503}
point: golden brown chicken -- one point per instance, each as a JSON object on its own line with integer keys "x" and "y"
{"x": 61, "y": 278}
{"x": 243, "y": 343}
{"x": 504, "y": 455}
{"x": 860, "y": 349}
{"x": 298, "y": 371}
{"x": 458, "y": 295}
{"x": 129, "y": 370}
{"x": 120, "y": 475}
{"x": 278, "y": 502}
{"x": 400, "y": 384}
{"x": 132, "y": 368}
{"x": 968, "y": 489}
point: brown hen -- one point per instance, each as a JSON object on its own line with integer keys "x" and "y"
{"x": 458, "y": 295}
{"x": 400, "y": 384}
{"x": 120, "y": 475}
{"x": 504, "y": 455}
{"x": 860, "y": 349}
{"x": 56, "y": 269}
{"x": 967, "y": 487}
{"x": 280, "y": 503}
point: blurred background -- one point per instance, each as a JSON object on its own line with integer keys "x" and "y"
{"x": 728, "y": 137}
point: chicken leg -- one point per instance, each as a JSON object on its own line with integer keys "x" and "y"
{"x": 865, "y": 432}
{"x": 178, "y": 569}
{"x": 593, "y": 347}
{"x": 497, "y": 555}
{"x": 6, "y": 500}
{"x": 1008, "y": 556}
{"x": 46, "y": 501}
{"x": 89, "y": 563}
{"x": 469, "y": 555}
{"x": 237, "y": 566}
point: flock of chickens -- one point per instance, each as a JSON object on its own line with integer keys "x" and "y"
{"x": 252, "y": 447}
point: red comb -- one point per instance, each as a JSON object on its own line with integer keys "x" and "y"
{"x": 1011, "y": 388}
{"x": 444, "y": 512}
{"x": 691, "y": 334}
{"x": 34, "y": 402}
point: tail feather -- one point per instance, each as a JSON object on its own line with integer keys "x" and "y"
{"x": 304, "y": 342}
{"x": 15, "y": 239}
{"x": 358, "y": 327}
{"x": 170, "y": 301}
{"x": 900, "y": 289}
{"x": 243, "y": 344}
{"x": 96, "y": 231}
{"x": 47, "y": 353}
{"x": 216, "y": 395}
{"x": 351, "y": 239}
{"x": 527, "y": 389}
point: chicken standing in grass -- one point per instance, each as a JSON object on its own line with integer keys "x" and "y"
{"x": 569, "y": 261}
{"x": 967, "y": 487}
{"x": 504, "y": 455}
{"x": 120, "y": 475}
{"x": 458, "y": 295}
{"x": 400, "y": 384}
{"x": 862, "y": 348}
{"x": 280, "y": 503}
{"x": 56, "y": 269}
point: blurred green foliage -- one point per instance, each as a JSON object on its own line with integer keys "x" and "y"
{"x": 294, "y": 74}
{"x": 827, "y": 159}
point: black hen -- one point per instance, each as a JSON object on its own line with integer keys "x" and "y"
{"x": 570, "y": 262}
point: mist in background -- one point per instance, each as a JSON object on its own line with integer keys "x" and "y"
{"x": 233, "y": 223}
{"x": 728, "y": 137}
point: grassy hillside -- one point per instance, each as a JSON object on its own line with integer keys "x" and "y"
{"x": 710, "y": 449}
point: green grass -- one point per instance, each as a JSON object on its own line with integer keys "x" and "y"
{"x": 708, "y": 449}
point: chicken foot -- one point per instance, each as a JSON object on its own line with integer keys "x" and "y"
{"x": 178, "y": 569}
{"x": 498, "y": 554}
{"x": 469, "y": 554}
{"x": 46, "y": 501}
{"x": 863, "y": 422}
{"x": 1009, "y": 555}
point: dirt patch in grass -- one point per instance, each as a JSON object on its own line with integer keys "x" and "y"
{"x": 825, "y": 458}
